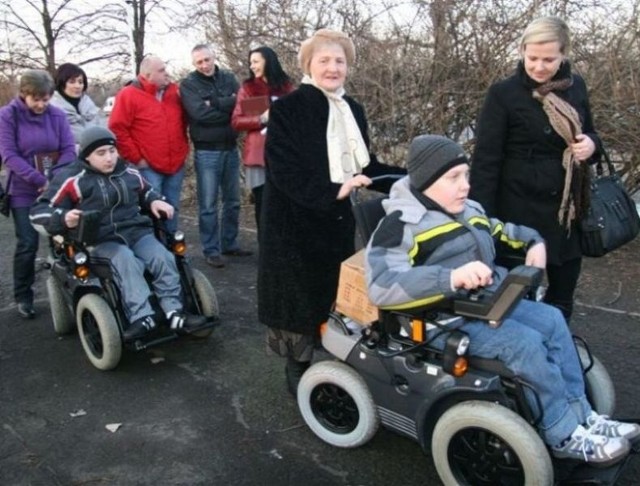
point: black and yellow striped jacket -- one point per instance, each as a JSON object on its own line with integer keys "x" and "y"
{"x": 411, "y": 255}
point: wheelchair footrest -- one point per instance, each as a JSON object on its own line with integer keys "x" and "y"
{"x": 583, "y": 473}
{"x": 146, "y": 343}
{"x": 212, "y": 323}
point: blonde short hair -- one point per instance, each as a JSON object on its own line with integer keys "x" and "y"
{"x": 323, "y": 37}
{"x": 547, "y": 29}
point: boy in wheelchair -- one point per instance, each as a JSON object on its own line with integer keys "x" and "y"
{"x": 102, "y": 183}
{"x": 434, "y": 242}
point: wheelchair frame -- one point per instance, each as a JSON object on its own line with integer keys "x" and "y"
{"x": 379, "y": 375}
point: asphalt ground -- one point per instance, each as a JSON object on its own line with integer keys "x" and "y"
{"x": 216, "y": 411}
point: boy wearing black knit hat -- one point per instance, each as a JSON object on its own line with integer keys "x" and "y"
{"x": 100, "y": 181}
{"x": 434, "y": 241}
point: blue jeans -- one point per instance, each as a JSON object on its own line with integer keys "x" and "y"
{"x": 170, "y": 186}
{"x": 24, "y": 258}
{"x": 128, "y": 265}
{"x": 535, "y": 343}
{"x": 218, "y": 169}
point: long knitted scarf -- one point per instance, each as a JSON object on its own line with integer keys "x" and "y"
{"x": 565, "y": 121}
{"x": 347, "y": 152}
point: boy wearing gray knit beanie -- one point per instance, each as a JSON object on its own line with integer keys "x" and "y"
{"x": 112, "y": 194}
{"x": 432, "y": 242}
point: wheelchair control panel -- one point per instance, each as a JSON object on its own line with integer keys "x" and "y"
{"x": 494, "y": 306}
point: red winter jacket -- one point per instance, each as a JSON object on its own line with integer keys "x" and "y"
{"x": 148, "y": 129}
{"x": 253, "y": 151}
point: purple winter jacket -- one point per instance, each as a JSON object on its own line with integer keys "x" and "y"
{"x": 24, "y": 134}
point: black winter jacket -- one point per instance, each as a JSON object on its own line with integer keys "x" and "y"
{"x": 119, "y": 196}
{"x": 305, "y": 232}
{"x": 516, "y": 170}
{"x": 209, "y": 102}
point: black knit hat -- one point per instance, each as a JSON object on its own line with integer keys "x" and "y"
{"x": 94, "y": 137}
{"x": 430, "y": 156}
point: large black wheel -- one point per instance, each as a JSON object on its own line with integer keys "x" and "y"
{"x": 599, "y": 386}
{"x": 99, "y": 332}
{"x": 207, "y": 300}
{"x": 61, "y": 314}
{"x": 484, "y": 443}
{"x": 336, "y": 404}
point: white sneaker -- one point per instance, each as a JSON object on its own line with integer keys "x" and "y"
{"x": 603, "y": 425}
{"x": 595, "y": 449}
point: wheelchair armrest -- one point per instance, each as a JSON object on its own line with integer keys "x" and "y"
{"x": 495, "y": 306}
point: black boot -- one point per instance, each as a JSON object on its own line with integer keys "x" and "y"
{"x": 294, "y": 371}
{"x": 139, "y": 328}
{"x": 180, "y": 321}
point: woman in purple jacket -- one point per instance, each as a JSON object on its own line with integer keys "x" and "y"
{"x": 33, "y": 137}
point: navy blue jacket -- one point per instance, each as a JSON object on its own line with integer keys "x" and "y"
{"x": 119, "y": 196}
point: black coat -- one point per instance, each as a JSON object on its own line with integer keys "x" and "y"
{"x": 118, "y": 196}
{"x": 516, "y": 171}
{"x": 209, "y": 102}
{"x": 305, "y": 231}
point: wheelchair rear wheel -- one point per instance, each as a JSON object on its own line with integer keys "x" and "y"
{"x": 337, "y": 405}
{"x": 478, "y": 442}
{"x": 63, "y": 321}
{"x": 99, "y": 332}
{"x": 600, "y": 391}
{"x": 207, "y": 300}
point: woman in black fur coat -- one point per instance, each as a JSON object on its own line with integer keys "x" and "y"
{"x": 316, "y": 154}
{"x": 517, "y": 170}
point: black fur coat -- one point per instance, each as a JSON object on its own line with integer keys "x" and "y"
{"x": 305, "y": 231}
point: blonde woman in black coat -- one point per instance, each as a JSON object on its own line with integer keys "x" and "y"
{"x": 316, "y": 154}
{"x": 517, "y": 171}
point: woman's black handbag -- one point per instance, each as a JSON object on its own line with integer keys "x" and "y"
{"x": 5, "y": 202}
{"x": 5, "y": 199}
{"x": 612, "y": 219}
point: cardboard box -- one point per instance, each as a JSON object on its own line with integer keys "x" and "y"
{"x": 352, "y": 299}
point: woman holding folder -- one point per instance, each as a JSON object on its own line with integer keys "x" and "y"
{"x": 267, "y": 82}
{"x": 34, "y": 136}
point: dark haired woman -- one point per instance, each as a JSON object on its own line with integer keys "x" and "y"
{"x": 72, "y": 98}
{"x": 266, "y": 79}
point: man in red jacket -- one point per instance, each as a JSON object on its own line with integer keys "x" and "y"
{"x": 151, "y": 130}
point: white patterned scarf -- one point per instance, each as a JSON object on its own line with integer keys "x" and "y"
{"x": 347, "y": 152}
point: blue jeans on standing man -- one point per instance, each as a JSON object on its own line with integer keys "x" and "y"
{"x": 170, "y": 186}
{"x": 218, "y": 170}
{"x": 535, "y": 343}
{"x": 24, "y": 258}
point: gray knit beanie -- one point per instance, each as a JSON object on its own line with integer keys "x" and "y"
{"x": 430, "y": 156}
{"x": 94, "y": 137}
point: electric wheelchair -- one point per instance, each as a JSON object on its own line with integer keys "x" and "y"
{"x": 83, "y": 295}
{"x": 469, "y": 413}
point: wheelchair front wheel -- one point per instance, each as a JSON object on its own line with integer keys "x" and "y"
{"x": 98, "y": 332}
{"x": 207, "y": 300}
{"x": 337, "y": 405}
{"x": 63, "y": 322}
{"x": 478, "y": 442}
{"x": 599, "y": 386}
